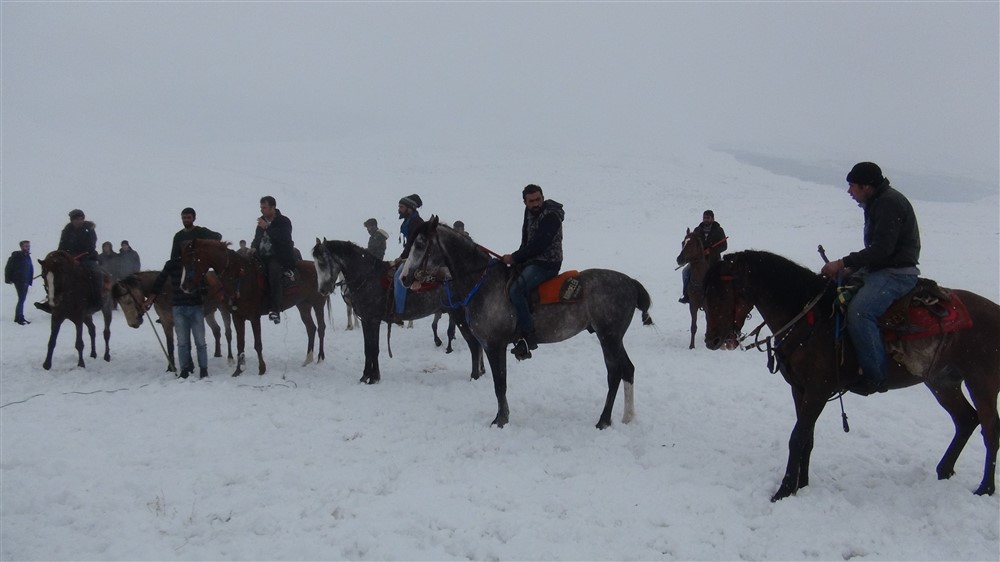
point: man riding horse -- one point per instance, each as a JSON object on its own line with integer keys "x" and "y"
{"x": 79, "y": 239}
{"x": 540, "y": 256}
{"x": 272, "y": 244}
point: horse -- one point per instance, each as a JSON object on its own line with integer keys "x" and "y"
{"x": 70, "y": 296}
{"x": 364, "y": 275}
{"x": 243, "y": 283}
{"x": 131, "y": 291}
{"x": 450, "y": 332}
{"x": 605, "y": 306}
{"x": 693, "y": 254}
{"x": 795, "y": 302}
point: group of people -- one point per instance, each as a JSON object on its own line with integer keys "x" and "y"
{"x": 887, "y": 264}
{"x": 119, "y": 264}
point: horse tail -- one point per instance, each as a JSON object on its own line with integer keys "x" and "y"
{"x": 643, "y": 302}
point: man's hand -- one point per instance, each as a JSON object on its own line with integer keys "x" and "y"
{"x": 508, "y": 259}
{"x": 261, "y": 223}
{"x": 148, "y": 302}
{"x": 831, "y": 269}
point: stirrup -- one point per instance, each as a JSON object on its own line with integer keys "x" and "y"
{"x": 520, "y": 350}
{"x": 274, "y": 317}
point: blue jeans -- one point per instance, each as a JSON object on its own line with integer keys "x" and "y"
{"x": 399, "y": 291}
{"x": 881, "y": 288}
{"x": 533, "y": 275}
{"x": 22, "y": 293}
{"x": 188, "y": 321}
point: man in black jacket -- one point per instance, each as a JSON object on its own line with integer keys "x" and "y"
{"x": 19, "y": 272}
{"x": 272, "y": 244}
{"x": 887, "y": 264}
{"x": 541, "y": 256}
{"x": 189, "y": 318}
{"x": 713, "y": 239}
{"x": 79, "y": 239}
{"x": 190, "y": 232}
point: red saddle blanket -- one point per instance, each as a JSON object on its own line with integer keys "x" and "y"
{"x": 553, "y": 291}
{"x": 945, "y": 316}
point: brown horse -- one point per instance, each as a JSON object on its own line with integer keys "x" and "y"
{"x": 795, "y": 304}
{"x": 131, "y": 291}
{"x": 71, "y": 297}
{"x": 244, "y": 284}
{"x": 693, "y": 254}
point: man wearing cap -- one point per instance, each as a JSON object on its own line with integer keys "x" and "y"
{"x": 887, "y": 264}
{"x": 128, "y": 259}
{"x": 713, "y": 239}
{"x": 411, "y": 222}
{"x": 79, "y": 239}
{"x": 272, "y": 243}
{"x": 376, "y": 239}
{"x": 190, "y": 232}
{"x": 540, "y": 256}
{"x": 460, "y": 228}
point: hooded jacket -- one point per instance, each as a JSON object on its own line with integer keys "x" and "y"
{"x": 541, "y": 235}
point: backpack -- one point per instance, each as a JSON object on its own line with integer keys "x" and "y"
{"x": 8, "y": 270}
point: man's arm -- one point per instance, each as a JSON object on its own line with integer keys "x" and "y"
{"x": 547, "y": 230}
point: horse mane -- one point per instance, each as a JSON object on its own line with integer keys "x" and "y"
{"x": 775, "y": 274}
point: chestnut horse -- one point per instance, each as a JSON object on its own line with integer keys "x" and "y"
{"x": 693, "y": 254}
{"x": 71, "y": 297}
{"x": 131, "y": 291}
{"x": 795, "y": 304}
{"x": 244, "y": 284}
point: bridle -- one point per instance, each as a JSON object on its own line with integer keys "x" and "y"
{"x": 421, "y": 274}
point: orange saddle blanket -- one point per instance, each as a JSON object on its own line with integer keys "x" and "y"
{"x": 564, "y": 287}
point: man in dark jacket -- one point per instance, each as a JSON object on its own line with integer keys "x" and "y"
{"x": 411, "y": 222}
{"x": 190, "y": 232}
{"x": 713, "y": 239}
{"x": 376, "y": 239}
{"x": 19, "y": 272}
{"x": 79, "y": 239}
{"x": 541, "y": 256}
{"x": 273, "y": 245}
{"x": 128, "y": 259}
{"x": 887, "y": 264}
{"x": 189, "y": 318}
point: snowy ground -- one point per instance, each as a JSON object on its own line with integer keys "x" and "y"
{"x": 121, "y": 460}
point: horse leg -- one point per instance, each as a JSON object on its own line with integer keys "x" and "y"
{"x": 216, "y": 332}
{"x": 241, "y": 337}
{"x": 350, "y": 317}
{"x": 53, "y": 335}
{"x": 320, "y": 330}
{"x": 168, "y": 332}
{"x": 258, "y": 346}
{"x": 497, "y": 356}
{"x": 963, "y": 416}
{"x": 79, "y": 338}
{"x": 619, "y": 367}
{"x": 984, "y": 395}
{"x": 475, "y": 348}
{"x": 370, "y": 326}
{"x": 107, "y": 331}
{"x": 800, "y": 444}
{"x": 434, "y": 328}
{"x": 306, "y": 315}
{"x": 92, "y": 330}
{"x": 451, "y": 336}
{"x": 693, "y": 307}
{"x": 227, "y": 320}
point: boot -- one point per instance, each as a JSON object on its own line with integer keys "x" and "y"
{"x": 44, "y": 306}
{"x": 520, "y": 350}
{"x": 186, "y": 372}
{"x": 531, "y": 340}
{"x": 274, "y": 317}
{"x": 203, "y": 372}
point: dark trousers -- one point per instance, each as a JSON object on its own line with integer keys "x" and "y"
{"x": 275, "y": 271}
{"x": 533, "y": 275}
{"x": 22, "y": 294}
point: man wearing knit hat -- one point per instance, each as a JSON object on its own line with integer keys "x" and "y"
{"x": 887, "y": 264}
{"x": 411, "y": 222}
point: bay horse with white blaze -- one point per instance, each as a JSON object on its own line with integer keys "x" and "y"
{"x": 243, "y": 282}
{"x": 131, "y": 291}
{"x": 368, "y": 283}
{"x": 605, "y": 306}
{"x": 796, "y": 303}
{"x": 71, "y": 297}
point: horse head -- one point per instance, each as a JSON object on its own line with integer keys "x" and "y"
{"x": 428, "y": 259}
{"x": 128, "y": 293}
{"x": 692, "y": 249}
{"x": 197, "y": 257}
{"x": 57, "y": 267}
{"x": 726, "y": 304}
{"x": 328, "y": 267}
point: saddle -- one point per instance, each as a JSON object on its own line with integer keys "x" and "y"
{"x": 925, "y": 311}
{"x": 565, "y": 287}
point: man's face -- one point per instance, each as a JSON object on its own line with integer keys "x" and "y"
{"x": 707, "y": 219}
{"x": 77, "y": 222}
{"x": 267, "y": 211}
{"x": 124, "y": 247}
{"x": 860, "y": 193}
{"x": 187, "y": 220}
{"x": 533, "y": 201}
{"x": 26, "y": 247}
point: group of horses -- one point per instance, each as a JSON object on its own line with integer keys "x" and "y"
{"x": 450, "y": 273}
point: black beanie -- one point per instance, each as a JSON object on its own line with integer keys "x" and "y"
{"x": 865, "y": 173}
{"x": 411, "y": 201}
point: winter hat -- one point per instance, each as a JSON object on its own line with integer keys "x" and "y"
{"x": 76, "y": 213}
{"x": 371, "y": 222}
{"x": 865, "y": 173}
{"x": 411, "y": 201}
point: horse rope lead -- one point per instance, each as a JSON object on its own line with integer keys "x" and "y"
{"x": 838, "y": 344}
{"x": 170, "y": 361}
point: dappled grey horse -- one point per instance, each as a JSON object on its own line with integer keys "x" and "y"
{"x": 605, "y": 307}
{"x": 364, "y": 275}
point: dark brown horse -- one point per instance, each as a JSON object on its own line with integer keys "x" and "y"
{"x": 693, "y": 254}
{"x": 131, "y": 291}
{"x": 71, "y": 297}
{"x": 795, "y": 304}
{"x": 243, "y": 281}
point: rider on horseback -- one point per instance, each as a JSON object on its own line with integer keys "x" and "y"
{"x": 79, "y": 239}
{"x": 272, "y": 244}
{"x": 713, "y": 239}
{"x": 541, "y": 255}
{"x": 411, "y": 222}
{"x": 887, "y": 264}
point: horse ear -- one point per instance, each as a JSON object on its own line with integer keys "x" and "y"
{"x": 317, "y": 241}
{"x": 688, "y": 232}
{"x": 433, "y": 224}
